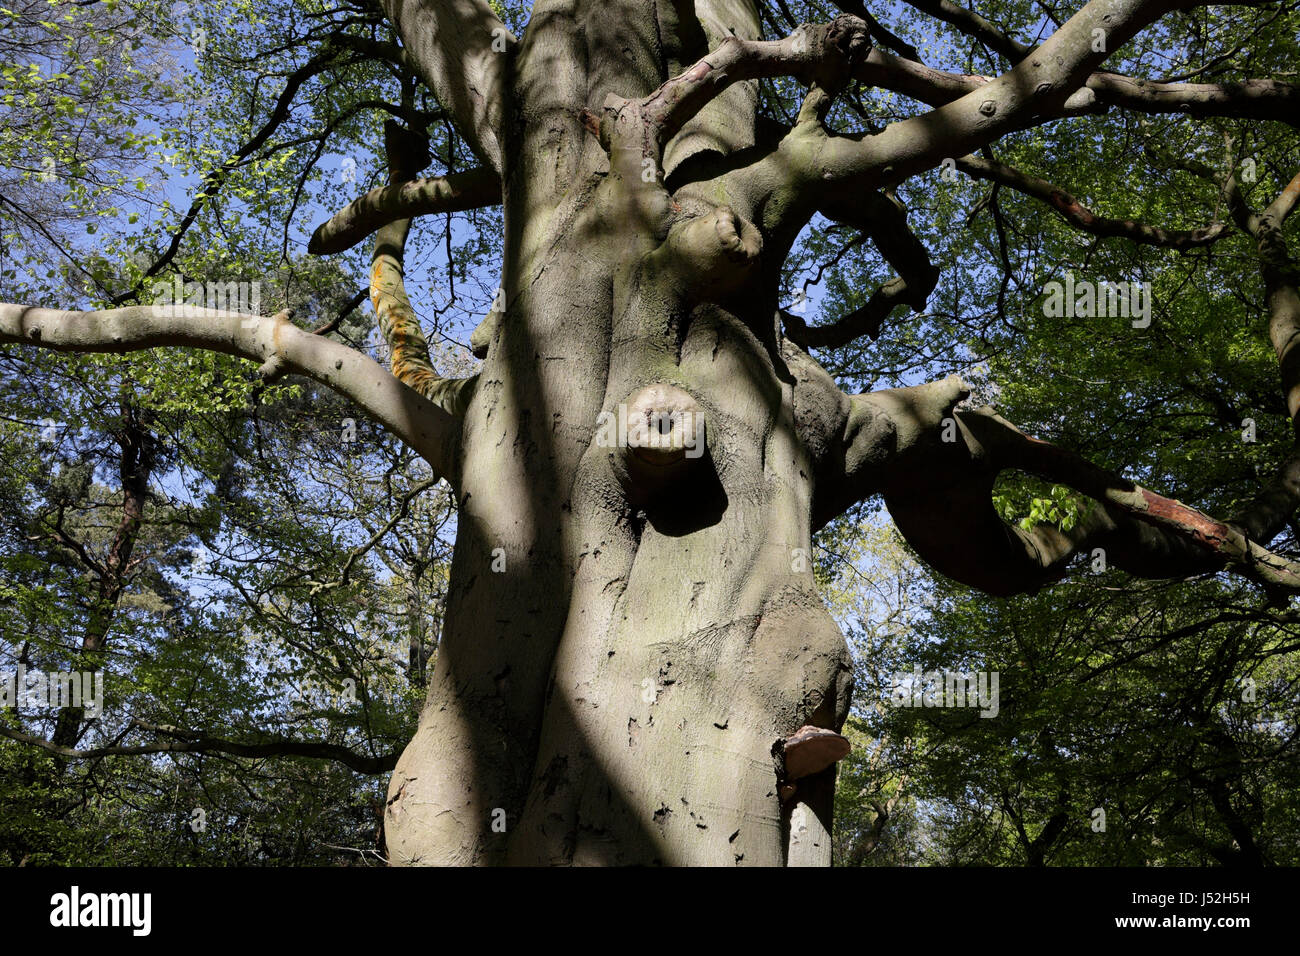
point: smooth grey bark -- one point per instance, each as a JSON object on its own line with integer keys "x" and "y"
{"x": 617, "y": 688}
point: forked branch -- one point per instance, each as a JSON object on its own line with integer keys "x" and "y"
{"x": 1053, "y": 79}
{"x": 188, "y": 742}
{"x": 938, "y": 483}
{"x": 398, "y": 323}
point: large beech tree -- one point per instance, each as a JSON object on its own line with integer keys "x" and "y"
{"x": 636, "y": 666}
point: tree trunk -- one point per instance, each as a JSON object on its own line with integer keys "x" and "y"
{"x": 137, "y": 458}
{"x": 622, "y": 650}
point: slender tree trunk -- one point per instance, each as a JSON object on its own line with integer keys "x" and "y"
{"x": 138, "y": 454}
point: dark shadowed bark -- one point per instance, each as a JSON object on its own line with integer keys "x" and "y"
{"x": 137, "y": 455}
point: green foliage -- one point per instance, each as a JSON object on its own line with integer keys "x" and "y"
{"x": 264, "y": 603}
{"x": 1116, "y": 695}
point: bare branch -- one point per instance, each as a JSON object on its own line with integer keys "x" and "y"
{"x": 344, "y": 311}
{"x": 403, "y": 509}
{"x": 1081, "y": 217}
{"x": 865, "y": 320}
{"x": 423, "y": 425}
{"x": 975, "y": 26}
{"x": 886, "y": 222}
{"x": 922, "y": 83}
{"x": 327, "y": 59}
{"x": 455, "y": 192}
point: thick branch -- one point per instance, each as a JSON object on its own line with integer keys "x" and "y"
{"x": 1282, "y": 295}
{"x": 1250, "y": 99}
{"x": 1265, "y": 99}
{"x": 409, "y": 351}
{"x": 1268, "y": 514}
{"x": 1046, "y": 83}
{"x": 886, "y": 222}
{"x": 461, "y": 50}
{"x": 824, "y": 54}
{"x": 924, "y": 84}
{"x": 273, "y": 342}
{"x": 455, "y": 192}
{"x": 937, "y": 466}
{"x": 1043, "y": 83}
{"x": 1223, "y": 544}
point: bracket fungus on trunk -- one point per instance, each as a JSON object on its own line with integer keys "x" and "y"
{"x": 807, "y": 751}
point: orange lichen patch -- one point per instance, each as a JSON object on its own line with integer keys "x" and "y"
{"x": 400, "y": 327}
